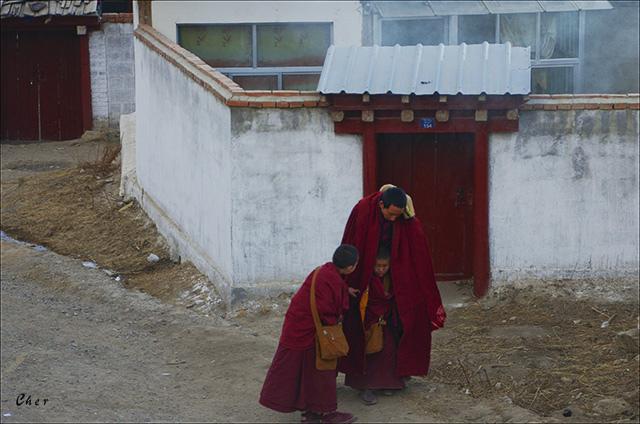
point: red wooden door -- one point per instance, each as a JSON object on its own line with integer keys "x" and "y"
{"x": 437, "y": 171}
{"x": 40, "y": 86}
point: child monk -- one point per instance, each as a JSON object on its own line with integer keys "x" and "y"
{"x": 293, "y": 383}
{"x": 377, "y": 303}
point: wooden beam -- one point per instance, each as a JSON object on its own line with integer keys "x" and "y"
{"x": 455, "y": 124}
{"x": 348, "y": 102}
{"x": 369, "y": 159}
{"x": 144, "y": 12}
{"x": 481, "y": 270}
{"x": 442, "y": 115}
{"x": 85, "y": 83}
{"x": 337, "y": 115}
{"x": 55, "y": 23}
{"x": 406, "y": 115}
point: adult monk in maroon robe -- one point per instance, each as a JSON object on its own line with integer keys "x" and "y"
{"x": 293, "y": 383}
{"x": 383, "y": 220}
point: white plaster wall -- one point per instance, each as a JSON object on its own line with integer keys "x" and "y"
{"x": 183, "y": 164}
{"x": 564, "y": 196}
{"x": 294, "y": 184}
{"x": 98, "y": 72}
{"x": 345, "y": 15}
{"x": 128, "y": 179}
{"x": 112, "y": 77}
{"x": 120, "y": 69}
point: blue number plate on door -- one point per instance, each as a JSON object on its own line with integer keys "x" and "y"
{"x": 427, "y": 123}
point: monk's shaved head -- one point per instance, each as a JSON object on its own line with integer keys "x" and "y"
{"x": 345, "y": 256}
{"x": 394, "y": 196}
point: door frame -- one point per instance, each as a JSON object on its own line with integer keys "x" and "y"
{"x": 497, "y": 115}
{"x": 469, "y": 244}
{"x": 69, "y": 24}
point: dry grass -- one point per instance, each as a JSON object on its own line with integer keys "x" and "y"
{"x": 572, "y": 363}
{"x": 104, "y": 163}
{"x": 77, "y": 212}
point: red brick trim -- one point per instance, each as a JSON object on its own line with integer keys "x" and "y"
{"x": 117, "y": 18}
{"x": 581, "y": 106}
{"x": 236, "y": 103}
{"x": 582, "y": 102}
{"x": 582, "y": 96}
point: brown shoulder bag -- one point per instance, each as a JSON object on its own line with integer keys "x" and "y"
{"x": 331, "y": 343}
{"x": 374, "y": 337}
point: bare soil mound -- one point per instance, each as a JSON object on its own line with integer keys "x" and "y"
{"x": 77, "y": 212}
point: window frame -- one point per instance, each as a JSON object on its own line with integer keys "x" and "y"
{"x": 377, "y": 33}
{"x": 451, "y": 29}
{"x": 572, "y": 62}
{"x": 255, "y": 70}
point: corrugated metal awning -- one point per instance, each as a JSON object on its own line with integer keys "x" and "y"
{"x": 418, "y": 9}
{"x": 425, "y": 70}
{"x": 37, "y": 8}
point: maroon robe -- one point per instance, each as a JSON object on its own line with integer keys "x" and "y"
{"x": 416, "y": 295}
{"x": 293, "y": 383}
{"x": 378, "y": 304}
{"x": 380, "y": 367}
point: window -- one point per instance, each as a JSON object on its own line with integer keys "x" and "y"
{"x": 256, "y": 82}
{"x": 519, "y": 30}
{"x": 476, "y": 29}
{"x": 553, "y": 38}
{"x": 272, "y": 56}
{"x": 556, "y": 80}
{"x": 220, "y": 46}
{"x": 409, "y": 32}
{"x": 292, "y": 44}
{"x": 559, "y": 35}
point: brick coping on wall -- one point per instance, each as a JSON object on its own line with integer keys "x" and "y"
{"x": 117, "y": 18}
{"x": 582, "y": 101}
{"x": 233, "y": 95}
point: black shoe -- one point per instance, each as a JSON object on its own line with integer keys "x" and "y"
{"x": 368, "y": 397}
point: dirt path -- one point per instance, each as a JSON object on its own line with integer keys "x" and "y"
{"x": 157, "y": 345}
{"x": 99, "y": 352}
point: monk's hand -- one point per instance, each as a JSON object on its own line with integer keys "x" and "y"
{"x": 353, "y": 292}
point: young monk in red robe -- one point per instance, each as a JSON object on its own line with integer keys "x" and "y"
{"x": 386, "y": 219}
{"x": 376, "y": 306}
{"x": 293, "y": 383}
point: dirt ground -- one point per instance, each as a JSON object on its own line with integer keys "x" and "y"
{"x": 53, "y": 194}
{"x": 136, "y": 341}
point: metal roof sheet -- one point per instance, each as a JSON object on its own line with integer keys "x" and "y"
{"x": 423, "y": 70}
{"x": 403, "y": 9}
{"x": 513, "y": 6}
{"x": 444, "y": 8}
{"x": 31, "y": 8}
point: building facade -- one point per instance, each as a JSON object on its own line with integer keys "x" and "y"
{"x": 67, "y": 67}
{"x": 262, "y": 180}
{"x": 572, "y": 43}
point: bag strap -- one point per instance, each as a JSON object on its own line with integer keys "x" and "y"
{"x": 314, "y": 308}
